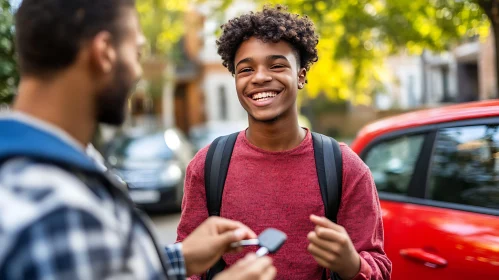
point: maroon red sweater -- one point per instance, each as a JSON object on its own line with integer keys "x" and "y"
{"x": 280, "y": 190}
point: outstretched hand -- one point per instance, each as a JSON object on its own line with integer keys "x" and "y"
{"x": 208, "y": 242}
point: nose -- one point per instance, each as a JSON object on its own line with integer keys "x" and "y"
{"x": 261, "y": 76}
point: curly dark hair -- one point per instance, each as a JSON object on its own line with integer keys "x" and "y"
{"x": 272, "y": 24}
{"x": 50, "y": 33}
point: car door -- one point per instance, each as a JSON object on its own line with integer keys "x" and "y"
{"x": 442, "y": 222}
{"x": 462, "y": 194}
{"x": 393, "y": 161}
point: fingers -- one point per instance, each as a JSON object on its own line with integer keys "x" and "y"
{"x": 250, "y": 257}
{"x": 226, "y": 238}
{"x": 324, "y": 222}
{"x": 230, "y": 231}
{"x": 322, "y": 262}
{"x": 328, "y": 234}
{"x": 261, "y": 268}
{"x": 269, "y": 274}
{"x": 321, "y": 253}
{"x": 224, "y": 225}
{"x": 251, "y": 268}
{"x": 324, "y": 258}
{"x": 322, "y": 243}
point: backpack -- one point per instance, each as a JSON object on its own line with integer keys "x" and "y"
{"x": 328, "y": 163}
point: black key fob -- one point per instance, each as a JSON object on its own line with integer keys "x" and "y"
{"x": 270, "y": 241}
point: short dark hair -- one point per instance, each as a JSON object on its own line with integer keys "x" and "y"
{"x": 272, "y": 24}
{"x": 49, "y": 33}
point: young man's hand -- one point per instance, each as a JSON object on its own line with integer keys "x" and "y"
{"x": 332, "y": 248}
{"x": 207, "y": 243}
{"x": 249, "y": 268}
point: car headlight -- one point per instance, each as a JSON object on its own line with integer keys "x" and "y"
{"x": 172, "y": 174}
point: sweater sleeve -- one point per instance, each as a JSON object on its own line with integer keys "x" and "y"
{"x": 194, "y": 208}
{"x": 360, "y": 215}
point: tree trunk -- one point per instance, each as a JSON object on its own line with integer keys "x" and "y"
{"x": 491, "y": 9}
{"x": 495, "y": 29}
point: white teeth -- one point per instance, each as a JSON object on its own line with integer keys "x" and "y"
{"x": 264, "y": 95}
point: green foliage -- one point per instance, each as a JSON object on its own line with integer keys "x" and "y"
{"x": 163, "y": 25}
{"x": 9, "y": 76}
{"x": 357, "y": 35}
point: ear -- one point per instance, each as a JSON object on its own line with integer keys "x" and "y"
{"x": 103, "y": 52}
{"x": 302, "y": 78}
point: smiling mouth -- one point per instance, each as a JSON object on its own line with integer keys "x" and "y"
{"x": 261, "y": 96}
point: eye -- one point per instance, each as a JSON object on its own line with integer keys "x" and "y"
{"x": 245, "y": 70}
{"x": 277, "y": 66}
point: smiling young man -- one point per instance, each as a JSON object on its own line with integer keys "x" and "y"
{"x": 272, "y": 179}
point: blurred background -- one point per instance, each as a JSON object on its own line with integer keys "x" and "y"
{"x": 378, "y": 58}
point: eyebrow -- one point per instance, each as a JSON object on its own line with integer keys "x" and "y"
{"x": 276, "y": 57}
{"x": 248, "y": 59}
{"x": 270, "y": 57}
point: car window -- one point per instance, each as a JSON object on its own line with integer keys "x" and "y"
{"x": 392, "y": 163}
{"x": 465, "y": 166}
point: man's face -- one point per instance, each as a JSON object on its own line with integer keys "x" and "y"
{"x": 267, "y": 79}
{"x": 127, "y": 70}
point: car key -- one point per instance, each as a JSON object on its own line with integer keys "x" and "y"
{"x": 270, "y": 240}
{"x": 247, "y": 242}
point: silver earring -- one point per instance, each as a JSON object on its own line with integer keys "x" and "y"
{"x": 300, "y": 85}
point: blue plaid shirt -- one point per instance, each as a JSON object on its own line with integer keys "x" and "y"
{"x": 54, "y": 226}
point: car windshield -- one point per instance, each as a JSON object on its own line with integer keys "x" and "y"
{"x": 148, "y": 147}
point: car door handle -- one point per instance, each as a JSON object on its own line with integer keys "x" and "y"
{"x": 420, "y": 255}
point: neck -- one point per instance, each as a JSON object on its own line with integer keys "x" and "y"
{"x": 63, "y": 102}
{"x": 279, "y": 135}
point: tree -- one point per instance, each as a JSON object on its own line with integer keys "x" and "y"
{"x": 9, "y": 76}
{"x": 491, "y": 9}
{"x": 357, "y": 35}
{"x": 162, "y": 22}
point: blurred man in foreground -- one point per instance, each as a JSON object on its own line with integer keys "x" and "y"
{"x": 61, "y": 215}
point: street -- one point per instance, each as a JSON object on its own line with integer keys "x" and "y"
{"x": 166, "y": 227}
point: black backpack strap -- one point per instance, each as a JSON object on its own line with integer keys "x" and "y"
{"x": 328, "y": 161}
{"x": 329, "y": 165}
{"x": 215, "y": 171}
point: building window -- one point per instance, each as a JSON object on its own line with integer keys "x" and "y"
{"x": 411, "y": 91}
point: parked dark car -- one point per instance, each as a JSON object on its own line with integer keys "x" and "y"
{"x": 153, "y": 164}
{"x": 202, "y": 135}
{"x": 437, "y": 174}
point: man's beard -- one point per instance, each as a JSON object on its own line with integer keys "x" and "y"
{"x": 111, "y": 102}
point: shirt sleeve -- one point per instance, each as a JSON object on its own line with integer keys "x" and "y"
{"x": 360, "y": 215}
{"x": 175, "y": 262}
{"x": 65, "y": 244}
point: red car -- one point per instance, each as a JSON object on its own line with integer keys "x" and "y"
{"x": 437, "y": 175}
